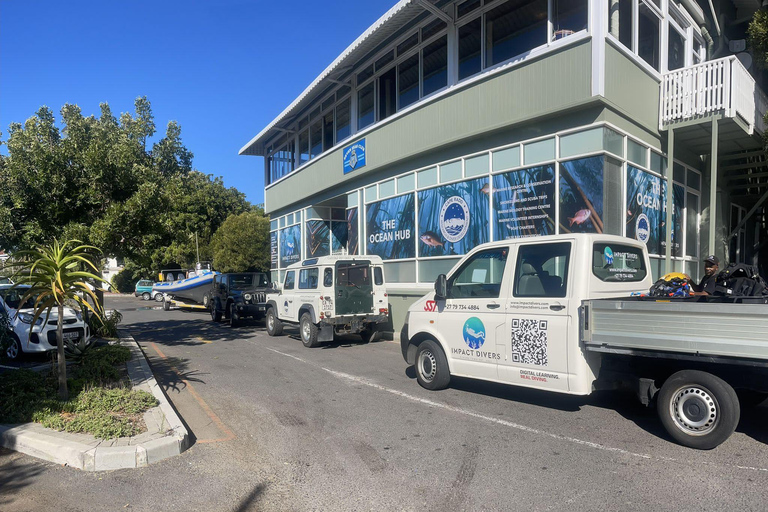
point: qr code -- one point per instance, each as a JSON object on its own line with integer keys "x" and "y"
{"x": 529, "y": 341}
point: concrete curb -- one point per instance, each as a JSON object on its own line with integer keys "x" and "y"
{"x": 165, "y": 438}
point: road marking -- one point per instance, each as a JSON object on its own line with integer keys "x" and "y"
{"x": 200, "y": 338}
{"x": 220, "y": 424}
{"x": 510, "y": 424}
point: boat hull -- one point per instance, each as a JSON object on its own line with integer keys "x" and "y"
{"x": 192, "y": 289}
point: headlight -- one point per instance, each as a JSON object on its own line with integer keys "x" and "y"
{"x": 27, "y": 319}
{"x": 247, "y": 297}
{"x": 79, "y": 315}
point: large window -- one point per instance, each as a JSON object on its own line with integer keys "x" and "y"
{"x": 542, "y": 270}
{"x": 435, "y": 64}
{"x": 649, "y": 34}
{"x": 365, "y": 106}
{"x": 408, "y": 81}
{"x": 470, "y": 44}
{"x": 514, "y": 28}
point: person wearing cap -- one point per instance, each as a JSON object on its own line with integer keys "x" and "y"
{"x": 707, "y": 284}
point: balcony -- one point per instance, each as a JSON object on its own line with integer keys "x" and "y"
{"x": 721, "y": 87}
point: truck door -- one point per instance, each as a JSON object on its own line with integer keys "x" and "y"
{"x": 535, "y": 342}
{"x": 473, "y": 314}
{"x": 286, "y": 301}
{"x": 354, "y": 288}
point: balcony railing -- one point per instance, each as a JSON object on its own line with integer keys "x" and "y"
{"x": 718, "y": 86}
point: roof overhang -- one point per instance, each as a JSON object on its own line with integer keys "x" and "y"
{"x": 389, "y": 24}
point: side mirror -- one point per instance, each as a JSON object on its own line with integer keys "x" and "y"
{"x": 441, "y": 287}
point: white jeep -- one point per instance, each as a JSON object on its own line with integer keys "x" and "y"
{"x": 331, "y": 295}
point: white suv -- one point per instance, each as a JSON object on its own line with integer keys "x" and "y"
{"x": 331, "y": 295}
{"x": 42, "y": 336}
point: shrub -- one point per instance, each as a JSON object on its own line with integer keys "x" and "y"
{"x": 105, "y": 327}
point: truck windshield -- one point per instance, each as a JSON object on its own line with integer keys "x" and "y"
{"x": 241, "y": 281}
{"x": 617, "y": 262}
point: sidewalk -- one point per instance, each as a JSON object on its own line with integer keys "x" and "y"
{"x": 166, "y": 436}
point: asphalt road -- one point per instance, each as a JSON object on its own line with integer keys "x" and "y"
{"x": 277, "y": 426}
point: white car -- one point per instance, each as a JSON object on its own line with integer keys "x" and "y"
{"x": 42, "y": 336}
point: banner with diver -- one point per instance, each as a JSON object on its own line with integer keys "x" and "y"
{"x": 318, "y": 238}
{"x": 581, "y": 195}
{"x": 273, "y": 249}
{"x": 677, "y": 220}
{"x": 352, "y": 232}
{"x": 390, "y": 228}
{"x": 523, "y": 203}
{"x": 645, "y": 208}
{"x": 339, "y": 236}
{"x": 453, "y": 218}
{"x": 290, "y": 245}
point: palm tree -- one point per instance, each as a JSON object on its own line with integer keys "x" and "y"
{"x": 54, "y": 277}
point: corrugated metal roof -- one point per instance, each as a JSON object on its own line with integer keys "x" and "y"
{"x": 394, "y": 19}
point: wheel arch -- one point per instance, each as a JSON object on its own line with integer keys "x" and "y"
{"x": 417, "y": 339}
{"x": 308, "y": 308}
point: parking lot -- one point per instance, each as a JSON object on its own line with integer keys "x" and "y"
{"x": 277, "y": 426}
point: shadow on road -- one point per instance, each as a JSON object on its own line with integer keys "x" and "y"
{"x": 15, "y": 475}
{"x": 191, "y": 332}
{"x": 250, "y": 501}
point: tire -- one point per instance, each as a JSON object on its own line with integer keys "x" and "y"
{"x": 159, "y": 297}
{"x": 234, "y": 317}
{"x": 749, "y": 399}
{"x": 206, "y": 301}
{"x": 166, "y": 305}
{"x": 146, "y": 296}
{"x": 698, "y": 409}
{"x": 274, "y": 325}
{"x": 370, "y": 334}
{"x": 432, "y": 366}
{"x": 215, "y": 313}
{"x": 14, "y": 351}
{"x": 308, "y": 331}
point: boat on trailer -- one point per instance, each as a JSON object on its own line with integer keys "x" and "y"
{"x": 189, "y": 290}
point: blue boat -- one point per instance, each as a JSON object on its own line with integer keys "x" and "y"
{"x": 191, "y": 289}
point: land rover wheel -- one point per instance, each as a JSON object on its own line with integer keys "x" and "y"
{"x": 166, "y": 305}
{"x": 234, "y": 316}
{"x": 370, "y": 334}
{"x": 698, "y": 409}
{"x": 308, "y": 331}
{"x": 215, "y": 313}
{"x": 14, "y": 351}
{"x": 432, "y": 366}
{"x": 146, "y": 296}
{"x": 274, "y": 325}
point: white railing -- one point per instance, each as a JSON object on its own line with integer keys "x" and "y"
{"x": 722, "y": 85}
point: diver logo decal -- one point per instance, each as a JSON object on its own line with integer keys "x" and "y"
{"x": 474, "y": 333}
{"x": 608, "y": 256}
{"x": 643, "y": 228}
{"x": 285, "y": 306}
{"x": 454, "y": 219}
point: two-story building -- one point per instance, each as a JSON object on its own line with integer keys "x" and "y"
{"x": 452, "y": 123}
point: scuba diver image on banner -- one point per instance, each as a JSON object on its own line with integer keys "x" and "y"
{"x": 523, "y": 203}
{"x": 581, "y": 195}
{"x": 453, "y": 218}
{"x": 290, "y": 245}
{"x": 352, "y": 236}
{"x": 390, "y": 230}
{"x": 646, "y": 210}
{"x": 318, "y": 238}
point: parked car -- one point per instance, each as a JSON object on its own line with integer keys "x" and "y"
{"x": 144, "y": 290}
{"x": 331, "y": 295}
{"x": 41, "y": 337}
{"x": 238, "y": 296}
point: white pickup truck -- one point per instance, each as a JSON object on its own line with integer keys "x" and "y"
{"x": 557, "y": 313}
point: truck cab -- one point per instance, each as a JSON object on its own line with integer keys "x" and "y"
{"x": 331, "y": 295}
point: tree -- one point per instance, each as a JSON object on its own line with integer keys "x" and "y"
{"x": 242, "y": 243}
{"x": 54, "y": 277}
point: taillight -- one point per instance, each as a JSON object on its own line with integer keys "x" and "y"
{"x": 383, "y": 311}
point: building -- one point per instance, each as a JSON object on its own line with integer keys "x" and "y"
{"x": 452, "y": 123}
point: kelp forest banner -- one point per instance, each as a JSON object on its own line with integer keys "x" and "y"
{"x": 523, "y": 203}
{"x": 647, "y": 210}
{"x": 453, "y": 218}
{"x": 353, "y": 240}
{"x": 290, "y": 245}
{"x": 390, "y": 228}
{"x": 318, "y": 238}
{"x": 581, "y": 195}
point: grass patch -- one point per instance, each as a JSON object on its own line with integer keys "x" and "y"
{"x": 100, "y": 403}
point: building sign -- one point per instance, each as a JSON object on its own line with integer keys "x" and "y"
{"x": 581, "y": 196}
{"x": 290, "y": 245}
{"x": 318, "y": 238}
{"x": 390, "y": 228}
{"x": 354, "y": 156}
{"x": 523, "y": 202}
{"x": 273, "y": 249}
{"x": 453, "y": 218}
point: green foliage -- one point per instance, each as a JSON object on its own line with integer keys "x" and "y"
{"x": 5, "y": 335}
{"x": 242, "y": 243}
{"x": 99, "y": 405}
{"x": 757, "y": 36}
{"x": 105, "y": 327}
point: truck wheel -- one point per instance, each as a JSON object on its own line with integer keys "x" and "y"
{"x": 274, "y": 325}
{"x": 215, "y": 313}
{"x": 14, "y": 351}
{"x": 234, "y": 317}
{"x": 308, "y": 331}
{"x": 146, "y": 296}
{"x": 370, "y": 334}
{"x": 698, "y": 409}
{"x": 206, "y": 301}
{"x": 432, "y": 366}
{"x": 166, "y": 305}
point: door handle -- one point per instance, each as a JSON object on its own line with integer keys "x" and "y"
{"x": 556, "y": 307}
{"x": 493, "y": 306}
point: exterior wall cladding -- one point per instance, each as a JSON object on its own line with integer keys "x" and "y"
{"x": 559, "y": 92}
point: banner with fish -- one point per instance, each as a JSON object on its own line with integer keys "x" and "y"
{"x": 339, "y": 236}
{"x": 318, "y": 238}
{"x": 390, "y": 228}
{"x": 581, "y": 195}
{"x": 453, "y": 218}
{"x": 645, "y": 208}
{"x": 523, "y": 202}
{"x": 352, "y": 232}
{"x": 273, "y": 249}
{"x": 290, "y": 245}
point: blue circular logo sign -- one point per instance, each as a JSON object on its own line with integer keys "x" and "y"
{"x": 608, "y": 256}
{"x": 454, "y": 219}
{"x": 643, "y": 228}
{"x": 474, "y": 333}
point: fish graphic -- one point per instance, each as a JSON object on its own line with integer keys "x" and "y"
{"x": 486, "y": 189}
{"x": 580, "y": 217}
{"x": 431, "y": 239}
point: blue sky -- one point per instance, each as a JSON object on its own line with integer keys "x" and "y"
{"x": 223, "y": 69}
